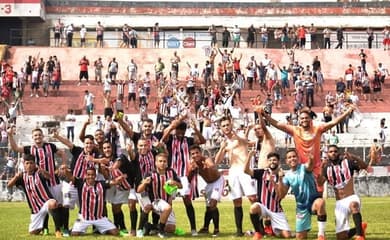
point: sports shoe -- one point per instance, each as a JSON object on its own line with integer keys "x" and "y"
{"x": 360, "y": 238}
{"x": 162, "y": 235}
{"x": 31, "y": 95}
{"x": 321, "y": 237}
{"x": 215, "y": 233}
{"x": 239, "y": 234}
{"x": 257, "y": 236}
{"x": 58, "y": 234}
{"x": 65, "y": 233}
{"x": 179, "y": 232}
{"x": 203, "y": 231}
{"x": 45, "y": 232}
{"x": 194, "y": 233}
{"x": 268, "y": 231}
{"x": 140, "y": 233}
{"x": 123, "y": 233}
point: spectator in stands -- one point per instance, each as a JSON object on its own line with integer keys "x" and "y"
{"x": 340, "y": 38}
{"x": 98, "y": 64}
{"x": 251, "y": 36}
{"x": 69, "y": 35}
{"x": 225, "y": 38}
{"x": 236, "y": 35}
{"x": 88, "y": 103}
{"x": 377, "y": 86}
{"x": 113, "y": 67}
{"x": 302, "y": 36}
{"x": 213, "y": 33}
{"x": 386, "y": 38}
{"x": 133, "y": 38}
{"x": 313, "y": 35}
{"x": 125, "y": 36}
{"x": 382, "y": 133}
{"x": 83, "y": 33}
{"x": 363, "y": 59}
{"x": 84, "y": 63}
{"x": 57, "y": 33}
{"x": 264, "y": 36}
{"x": 99, "y": 34}
{"x": 384, "y": 72}
{"x": 156, "y": 35}
{"x": 70, "y": 124}
{"x": 370, "y": 37}
{"x": 326, "y": 33}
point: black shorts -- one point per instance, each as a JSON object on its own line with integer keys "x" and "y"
{"x": 57, "y": 35}
{"x": 108, "y": 112}
{"x": 99, "y": 37}
{"x": 83, "y": 74}
{"x": 131, "y": 96}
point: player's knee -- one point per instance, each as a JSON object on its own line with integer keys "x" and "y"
{"x": 213, "y": 204}
{"x": 113, "y": 232}
{"x": 167, "y": 208}
{"x": 255, "y": 208}
{"x": 76, "y": 233}
{"x": 52, "y": 204}
{"x": 354, "y": 206}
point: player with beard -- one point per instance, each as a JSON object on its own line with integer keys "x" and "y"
{"x": 207, "y": 169}
{"x": 339, "y": 174}
{"x": 236, "y": 149}
{"x": 308, "y": 200}
{"x": 307, "y": 136}
{"x": 269, "y": 198}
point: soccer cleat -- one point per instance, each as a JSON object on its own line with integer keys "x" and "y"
{"x": 215, "y": 233}
{"x": 58, "y": 234}
{"x": 194, "y": 233}
{"x": 364, "y": 228}
{"x": 257, "y": 236}
{"x": 162, "y": 235}
{"x": 268, "y": 231}
{"x": 140, "y": 233}
{"x": 65, "y": 233}
{"x": 321, "y": 237}
{"x": 203, "y": 231}
{"x": 123, "y": 233}
{"x": 239, "y": 234}
{"x": 360, "y": 238}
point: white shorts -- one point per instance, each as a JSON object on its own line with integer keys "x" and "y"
{"x": 278, "y": 219}
{"x": 158, "y": 207}
{"x": 70, "y": 195}
{"x": 343, "y": 212}
{"x": 56, "y": 191}
{"x": 102, "y": 225}
{"x": 117, "y": 196}
{"x": 132, "y": 194}
{"x": 241, "y": 184}
{"x": 143, "y": 199}
{"x": 214, "y": 190}
{"x": 186, "y": 189}
{"x": 207, "y": 132}
{"x": 37, "y": 219}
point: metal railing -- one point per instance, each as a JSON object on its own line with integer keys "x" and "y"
{"x": 185, "y": 39}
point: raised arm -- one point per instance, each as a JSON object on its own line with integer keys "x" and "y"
{"x": 63, "y": 140}
{"x": 83, "y": 129}
{"x": 337, "y": 120}
{"x": 355, "y": 158}
{"x": 247, "y": 168}
{"x": 12, "y": 142}
{"x": 221, "y": 152}
{"x": 13, "y": 180}
{"x": 281, "y": 188}
{"x": 199, "y": 137}
{"x": 279, "y": 125}
{"x": 128, "y": 129}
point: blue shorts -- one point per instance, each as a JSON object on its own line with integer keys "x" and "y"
{"x": 89, "y": 109}
{"x": 285, "y": 83}
{"x": 303, "y": 216}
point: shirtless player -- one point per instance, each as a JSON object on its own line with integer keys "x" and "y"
{"x": 207, "y": 169}
{"x": 241, "y": 183}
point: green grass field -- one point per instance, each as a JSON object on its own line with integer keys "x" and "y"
{"x": 14, "y": 219}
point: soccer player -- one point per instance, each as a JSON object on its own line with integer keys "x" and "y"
{"x": 241, "y": 183}
{"x": 269, "y": 198}
{"x": 339, "y": 174}
{"x": 308, "y": 199}
{"x": 40, "y": 200}
{"x": 44, "y": 154}
{"x": 91, "y": 197}
{"x": 206, "y": 168}
{"x": 161, "y": 200}
{"x": 307, "y": 136}
{"x": 179, "y": 160}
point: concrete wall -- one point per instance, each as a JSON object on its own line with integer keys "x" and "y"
{"x": 370, "y": 186}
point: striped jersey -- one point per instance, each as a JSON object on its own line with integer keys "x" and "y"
{"x": 44, "y": 158}
{"x": 179, "y": 155}
{"x": 91, "y": 199}
{"x": 266, "y": 190}
{"x": 36, "y": 188}
{"x": 156, "y": 187}
{"x": 79, "y": 165}
{"x": 338, "y": 175}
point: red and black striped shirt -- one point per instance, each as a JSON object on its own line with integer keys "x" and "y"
{"x": 156, "y": 187}
{"x": 338, "y": 175}
{"x": 91, "y": 199}
{"x": 44, "y": 158}
{"x": 36, "y": 189}
{"x": 266, "y": 190}
{"x": 79, "y": 165}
